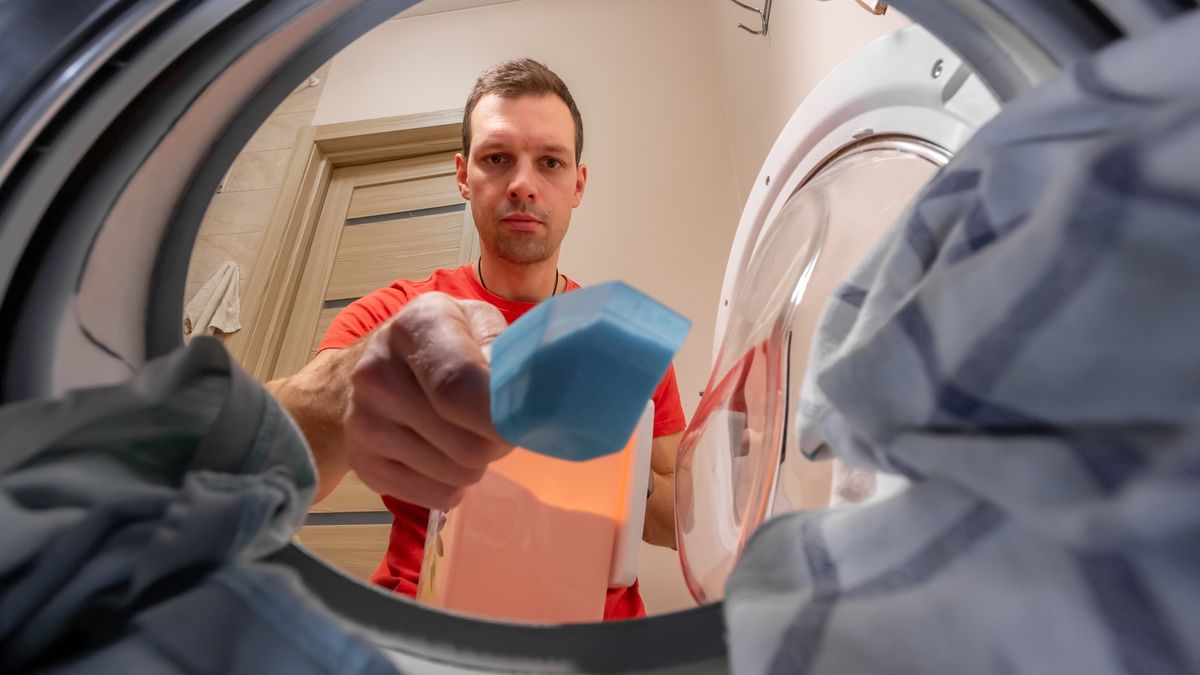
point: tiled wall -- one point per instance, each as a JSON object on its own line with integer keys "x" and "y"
{"x": 236, "y": 218}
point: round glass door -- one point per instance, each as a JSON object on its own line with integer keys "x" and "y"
{"x": 739, "y": 461}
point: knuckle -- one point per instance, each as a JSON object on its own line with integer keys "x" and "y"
{"x": 421, "y": 310}
{"x": 365, "y": 374}
{"x": 450, "y": 379}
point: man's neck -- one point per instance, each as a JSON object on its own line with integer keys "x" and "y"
{"x": 523, "y": 283}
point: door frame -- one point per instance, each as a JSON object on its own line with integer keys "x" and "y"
{"x": 289, "y": 236}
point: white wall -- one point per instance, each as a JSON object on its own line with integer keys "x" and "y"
{"x": 764, "y": 79}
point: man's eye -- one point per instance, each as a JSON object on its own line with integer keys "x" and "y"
{"x": 495, "y": 159}
{"x": 553, "y": 163}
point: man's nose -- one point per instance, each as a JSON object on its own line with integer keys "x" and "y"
{"x": 523, "y": 186}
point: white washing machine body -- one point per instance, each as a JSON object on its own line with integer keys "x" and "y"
{"x": 858, "y": 148}
{"x": 904, "y": 85}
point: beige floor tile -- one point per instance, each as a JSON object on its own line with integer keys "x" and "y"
{"x": 234, "y": 212}
{"x": 279, "y": 131}
{"x": 306, "y": 96}
{"x": 258, "y": 170}
{"x": 212, "y": 250}
{"x": 190, "y": 290}
{"x": 304, "y": 99}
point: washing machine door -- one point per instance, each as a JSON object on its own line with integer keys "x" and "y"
{"x": 853, "y": 156}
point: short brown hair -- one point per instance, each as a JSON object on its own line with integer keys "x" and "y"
{"x": 520, "y": 77}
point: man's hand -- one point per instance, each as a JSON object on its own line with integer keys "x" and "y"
{"x": 418, "y": 426}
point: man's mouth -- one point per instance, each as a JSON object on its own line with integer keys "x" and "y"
{"x": 521, "y": 222}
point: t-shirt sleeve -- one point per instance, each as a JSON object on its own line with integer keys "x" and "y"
{"x": 668, "y": 410}
{"x": 362, "y": 316}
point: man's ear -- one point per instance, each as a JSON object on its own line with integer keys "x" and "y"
{"x": 580, "y": 183}
{"x": 460, "y": 174}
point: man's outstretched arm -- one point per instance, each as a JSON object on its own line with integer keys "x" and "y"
{"x": 407, "y": 407}
{"x": 317, "y": 398}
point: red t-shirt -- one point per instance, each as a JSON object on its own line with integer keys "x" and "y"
{"x": 401, "y": 566}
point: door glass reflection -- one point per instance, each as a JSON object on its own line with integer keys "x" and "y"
{"x": 728, "y": 474}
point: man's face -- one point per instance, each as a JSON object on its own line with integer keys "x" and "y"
{"x": 521, "y": 177}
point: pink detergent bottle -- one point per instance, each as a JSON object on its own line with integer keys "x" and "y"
{"x": 541, "y": 539}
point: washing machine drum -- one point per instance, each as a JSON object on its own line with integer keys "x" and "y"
{"x": 118, "y": 120}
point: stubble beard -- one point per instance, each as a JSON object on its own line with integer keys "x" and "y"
{"x": 522, "y": 248}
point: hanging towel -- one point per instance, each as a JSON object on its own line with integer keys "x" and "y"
{"x": 217, "y": 306}
{"x": 1024, "y": 349}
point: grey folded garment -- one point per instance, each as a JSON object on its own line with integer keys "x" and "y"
{"x": 134, "y": 519}
{"x": 1027, "y": 351}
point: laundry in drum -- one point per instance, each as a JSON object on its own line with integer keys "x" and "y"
{"x": 571, "y": 377}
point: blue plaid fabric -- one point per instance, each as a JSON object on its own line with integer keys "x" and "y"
{"x": 1025, "y": 347}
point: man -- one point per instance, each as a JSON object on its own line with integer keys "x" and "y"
{"x": 399, "y": 388}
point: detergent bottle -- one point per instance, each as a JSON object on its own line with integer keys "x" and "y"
{"x": 555, "y": 523}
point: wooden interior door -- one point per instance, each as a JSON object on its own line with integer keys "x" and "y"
{"x": 380, "y": 222}
{"x": 399, "y": 219}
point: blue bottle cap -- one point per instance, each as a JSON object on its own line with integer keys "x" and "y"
{"x": 571, "y": 377}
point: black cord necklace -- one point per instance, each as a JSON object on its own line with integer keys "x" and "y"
{"x": 479, "y": 272}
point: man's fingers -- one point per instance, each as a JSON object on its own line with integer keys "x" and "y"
{"x": 388, "y": 388}
{"x": 389, "y": 477}
{"x": 386, "y": 438}
{"x": 441, "y": 338}
{"x": 484, "y": 321}
{"x": 419, "y": 417}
